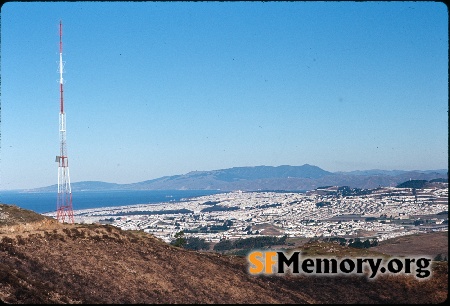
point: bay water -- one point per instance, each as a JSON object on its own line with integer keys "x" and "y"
{"x": 43, "y": 202}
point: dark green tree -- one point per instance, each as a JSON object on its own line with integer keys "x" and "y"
{"x": 195, "y": 243}
{"x": 223, "y": 245}
{"x": 357, "y": 243}
{"x": 179, "y": 240}
{"x": 438, "y": 257}
{"x": 374, "y": 242}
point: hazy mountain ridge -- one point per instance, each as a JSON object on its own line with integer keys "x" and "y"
{"x": 387, "y": 172}
{"x": 305, "y": 177}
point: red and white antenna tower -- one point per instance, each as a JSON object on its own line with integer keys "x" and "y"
{"x": 64, "y": 211}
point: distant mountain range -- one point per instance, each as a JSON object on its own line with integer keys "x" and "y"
{"x": 291, "y": 178}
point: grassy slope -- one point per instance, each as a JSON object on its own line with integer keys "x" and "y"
{"x": 55, "y": 263}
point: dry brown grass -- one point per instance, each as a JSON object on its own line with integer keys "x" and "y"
{"x": 429, "y": 244}
{"x": 103, "y": 264}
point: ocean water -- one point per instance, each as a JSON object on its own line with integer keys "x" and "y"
{"x": 42, "y": 202}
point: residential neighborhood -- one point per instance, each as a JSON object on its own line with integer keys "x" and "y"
{"x": 380, "y": 213}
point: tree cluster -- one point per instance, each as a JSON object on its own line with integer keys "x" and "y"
{"x": 440, "y": 257}
{"x": 416, "y": 184}
{"x": 357, "y": 243}
{"x": 323, "y": 203}
{"x": 347, "y": 191}
{"x": 354, "y": 243}
{"x": 249, "y": 243}
{"x": 219, "y": 208}
{"x": 190, "y": 243}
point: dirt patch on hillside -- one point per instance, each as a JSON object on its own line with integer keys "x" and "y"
{"x": 430, "y": 244}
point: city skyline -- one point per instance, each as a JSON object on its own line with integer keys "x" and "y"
{"x": 156, "y": 89}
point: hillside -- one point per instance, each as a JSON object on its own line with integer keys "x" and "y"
{"x": 305, "y": 177}
{"x": 42, "y": 261}
{"x": 430, "y": 244}
{"x": 419, "y": 184}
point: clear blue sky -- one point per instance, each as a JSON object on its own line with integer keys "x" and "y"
{"x": 162, "y": 88}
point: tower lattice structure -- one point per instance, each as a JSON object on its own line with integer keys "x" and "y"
{"x": 64, "y": 211}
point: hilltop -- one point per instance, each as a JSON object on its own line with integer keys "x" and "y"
{"x": 43, "y": 261}
{"x": 420, "y": 184}
{"x": 305, "y": 177}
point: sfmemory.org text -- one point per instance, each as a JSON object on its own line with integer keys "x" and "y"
{"x": 271, "y": 262}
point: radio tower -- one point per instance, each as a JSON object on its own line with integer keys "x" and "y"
{"x": 64, "y": 211}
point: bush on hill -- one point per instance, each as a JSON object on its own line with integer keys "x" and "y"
{"x": 417, "y": 184}
{"x": 249, "y": 243}
{"x": 439, "y": 180}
